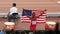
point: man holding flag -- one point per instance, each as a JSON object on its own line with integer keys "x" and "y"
{"x": 31, "y": 14}
{"x": 33, "y": 21}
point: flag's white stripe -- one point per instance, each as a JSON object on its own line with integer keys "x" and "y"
{"x": 41, "y": 21}
{"x": 42, "y": 17}
{"x": 25, "y": 21}
{"x": 43, "y": 14}
{"x": 24, "y": 18}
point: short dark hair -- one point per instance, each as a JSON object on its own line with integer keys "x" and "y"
{"x": 14, "y": 4}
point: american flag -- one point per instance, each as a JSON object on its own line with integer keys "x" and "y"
{"x": 41, "y": 19}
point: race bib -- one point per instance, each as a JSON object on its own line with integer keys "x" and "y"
{"x": 33, "y": 22}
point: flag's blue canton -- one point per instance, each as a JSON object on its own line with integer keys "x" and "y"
{"x": 27, "y": 12}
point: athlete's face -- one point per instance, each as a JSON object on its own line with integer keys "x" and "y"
{"x": 33, "y": 14}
